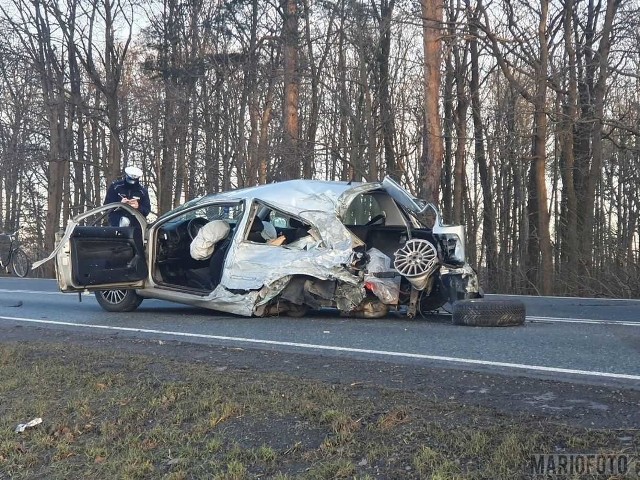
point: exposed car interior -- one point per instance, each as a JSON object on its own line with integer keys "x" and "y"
{"x": 174, "y": 265}
{"x": 175, "y": 268}
{"x": 376, "y": 219}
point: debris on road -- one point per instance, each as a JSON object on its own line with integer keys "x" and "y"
{"x": 11, "y": 303}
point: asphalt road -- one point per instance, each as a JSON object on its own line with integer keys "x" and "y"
{"x": 593, "y": 341}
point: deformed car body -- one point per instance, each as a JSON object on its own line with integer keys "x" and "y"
{"x": 363, "y": 248}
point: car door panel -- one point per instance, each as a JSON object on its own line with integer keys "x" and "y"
{"x": 93, "y": 257}
{"x": 107, "y": 255}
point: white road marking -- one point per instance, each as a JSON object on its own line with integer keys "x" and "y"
{"x": 19, "y": 279}
{"x": 602, "y": 299}
{"x": 420, "y": 356}
{"x": 583, "y": 320}
{"x": 35, "y": 292}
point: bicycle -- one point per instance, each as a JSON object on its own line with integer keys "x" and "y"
{"x": 11, "y": 255}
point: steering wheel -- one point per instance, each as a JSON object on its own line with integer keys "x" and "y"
{"x": 376, "y": 219}
{"x": 194, "y": 226}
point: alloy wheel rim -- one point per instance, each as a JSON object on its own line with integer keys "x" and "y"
{"x": 114, "y": 296}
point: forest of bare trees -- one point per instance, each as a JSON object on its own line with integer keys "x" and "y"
{"x": 520, "y": 119}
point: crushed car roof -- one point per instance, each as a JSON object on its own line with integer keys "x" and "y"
{"x": 300, "y": 194}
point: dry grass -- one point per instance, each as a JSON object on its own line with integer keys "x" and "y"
{"x": 110, "y": 415}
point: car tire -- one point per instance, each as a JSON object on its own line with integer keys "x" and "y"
{"x": 488, "y": 313}
{"x": 118, "y": 300}
{"x": 20, "y": 263}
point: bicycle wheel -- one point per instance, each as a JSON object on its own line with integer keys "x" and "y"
{"x": 20, "y": 263}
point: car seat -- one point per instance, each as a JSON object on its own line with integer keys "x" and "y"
{"x": 216, "y": 264}
{"x": 208, "y": 278}
{"x": 301, "y": 230}
{"x": 255, "y": 231}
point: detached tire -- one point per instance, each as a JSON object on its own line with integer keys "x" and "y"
{"x": 488, "y": 313}
{"x": 118, "y": 300}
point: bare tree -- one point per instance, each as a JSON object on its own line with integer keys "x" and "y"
{"x": 383, "y": 16}
{"x": 486, "y": 176}
{"x": 33, "y": 28}
{"x": 595, "y": 117}
{"x": 540, "y": 255}
{"x": 432, "y": 149}
{"x": 291, "y": 123}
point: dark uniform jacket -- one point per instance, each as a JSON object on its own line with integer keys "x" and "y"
{"x": 122, "y": 189}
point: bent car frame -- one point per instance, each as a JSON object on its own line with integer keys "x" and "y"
{"x": 363, "y": 248}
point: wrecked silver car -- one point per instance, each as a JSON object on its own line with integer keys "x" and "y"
{"x": 282, "y": 248}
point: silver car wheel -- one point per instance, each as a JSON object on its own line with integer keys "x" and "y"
{"x": 118, "y": 300}
{"x": 114, "y": 296}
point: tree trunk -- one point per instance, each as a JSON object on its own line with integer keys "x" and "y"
{"x": 599, "y": 92}
{"x": 461, "y": 133}
{"x": 291, "y": 124}
{"x": 432, "y": 135}
{"x": 447, "y": 169}
{"x": 386, "y": 114}
{"x": 486, "y": 177}
{"x": 569, "y": 241}
{"x": 316, "y": 70}
{"x": 538, "y": 208}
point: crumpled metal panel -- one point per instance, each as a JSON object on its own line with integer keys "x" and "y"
{"x": 346, "y": 295}
{"x": 312, "y": 292}
{"x": 269, "y": 268}
{"x": 333, "y": 233}
{"x": 466, "y": 274}
{"x": 251, "y": 266}
{"x": 254, "y": 266}
{"x": 386, "y": 289}
{"x": 268, "y": 292}
{"x": 226, "y": 301}
{"x": 300, "y": 194}
{"x": 220, "y": 299}
{"x": 349, "y": 296}
{"x": 348, "y": 195}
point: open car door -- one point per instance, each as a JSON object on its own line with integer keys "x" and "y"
{"x": 94, "y": 257}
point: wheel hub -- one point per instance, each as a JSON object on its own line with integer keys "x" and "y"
{"x": 416, "y": 261}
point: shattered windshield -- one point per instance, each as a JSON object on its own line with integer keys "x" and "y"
{"x": 229, "y": 214}
{"x": 184, "y": 206}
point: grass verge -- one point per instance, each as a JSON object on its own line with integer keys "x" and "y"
{"x": 108, "y": 414}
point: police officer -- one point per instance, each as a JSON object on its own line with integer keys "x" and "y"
{"x": 128, "y": 190}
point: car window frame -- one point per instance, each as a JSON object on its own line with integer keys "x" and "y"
{"x": 258, "y": 205}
